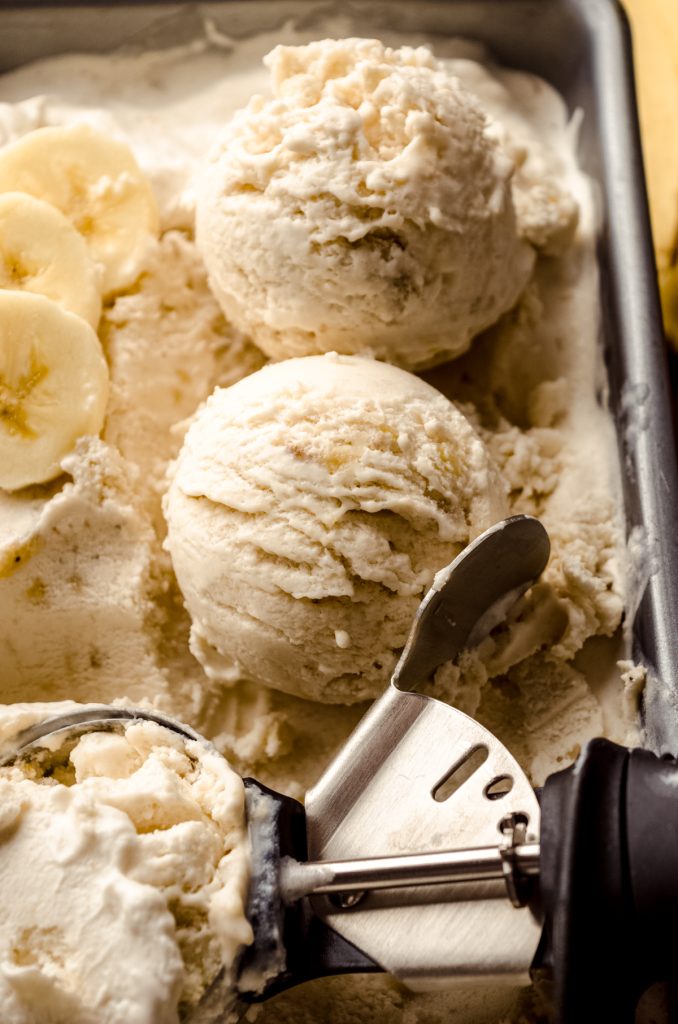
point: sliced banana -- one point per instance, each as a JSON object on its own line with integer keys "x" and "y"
{"x": 40, "y": 251}
{"x": 97, "y": 184}
{"x": 53, "y": 387}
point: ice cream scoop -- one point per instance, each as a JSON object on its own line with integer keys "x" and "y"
{"x": 309, "y": 509}
{"x": 518, "y": 549}
{"x": 436, "y": 907}
{"x": 365, "y": 208}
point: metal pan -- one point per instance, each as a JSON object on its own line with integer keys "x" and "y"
{"x": 583, "y": 48}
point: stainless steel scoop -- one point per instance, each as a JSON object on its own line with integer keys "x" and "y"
{"x": 423, "y": 850}
{"x": 419, "y": 776}
{"x": 415, "y": 850}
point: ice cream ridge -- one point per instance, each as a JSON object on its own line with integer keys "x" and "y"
{"x": 365, "y": 207}
{"x": 407, "y": 243}
{"x": 310, "y": 506}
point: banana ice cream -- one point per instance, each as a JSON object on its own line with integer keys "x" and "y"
{"x": 304, "y": 508}
{"x": 311, "y": 505}
{"x": 365, "y": 207}
{"x": 123, "y": 872}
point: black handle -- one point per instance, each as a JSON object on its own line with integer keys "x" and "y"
{"x": 291, "y": 945}
{"x": 609, "y": 882}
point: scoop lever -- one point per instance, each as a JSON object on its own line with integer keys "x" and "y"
{"x": 472, "y": 595}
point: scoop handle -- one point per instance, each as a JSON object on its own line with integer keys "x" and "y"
{"x": 291, "y": 944}
{"x": 609, "y": 881}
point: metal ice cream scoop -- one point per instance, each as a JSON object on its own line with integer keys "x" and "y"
{"x": 418, "y": 851}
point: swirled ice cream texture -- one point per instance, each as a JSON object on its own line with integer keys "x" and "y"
{"x": 366, "y": 207}
{"x": 310, "y": 506}
{"x": 123, "y": 871}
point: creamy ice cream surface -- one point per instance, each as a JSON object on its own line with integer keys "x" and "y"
{"x": 76, "y": 585}
{"x": 366, "y": 207}
{"x": 304, "y": 508}
{"x": 123, "y": 871}
{"x": 309, "y": 509}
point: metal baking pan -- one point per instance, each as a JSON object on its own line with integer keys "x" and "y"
{"x": 583, "y": 48}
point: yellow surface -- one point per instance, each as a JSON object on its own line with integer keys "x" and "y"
{"x": 655, "y": 41}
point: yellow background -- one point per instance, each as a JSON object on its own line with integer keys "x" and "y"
{"x": 654, "y": 24}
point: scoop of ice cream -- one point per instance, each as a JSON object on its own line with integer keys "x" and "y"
{"x": 123, "y": 873}
{"x": 366, "y": 207}
{"x": 310, "y": 507}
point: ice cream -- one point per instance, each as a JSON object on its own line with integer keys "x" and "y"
{"x": 310, "y": 506}
{"x": 89, "y": 602}
{"x": 168, "y": 346}
{"x": 84, "y": 585}
{"x": 365, "y": 207}
{"x": 76, "y": 585}
{"x": 123, "y": 873}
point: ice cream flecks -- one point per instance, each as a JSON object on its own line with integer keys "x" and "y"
{"x": 89, "y": 604}
{"x": 310, "y": 507}
{"x": 123, "y": 872}
{"x": 366, "y": 207}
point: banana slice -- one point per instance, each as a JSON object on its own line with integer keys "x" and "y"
{"x": 53, "y": 387}
{"x": 97, "y": 184}
{"x": 40, "y": 251}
